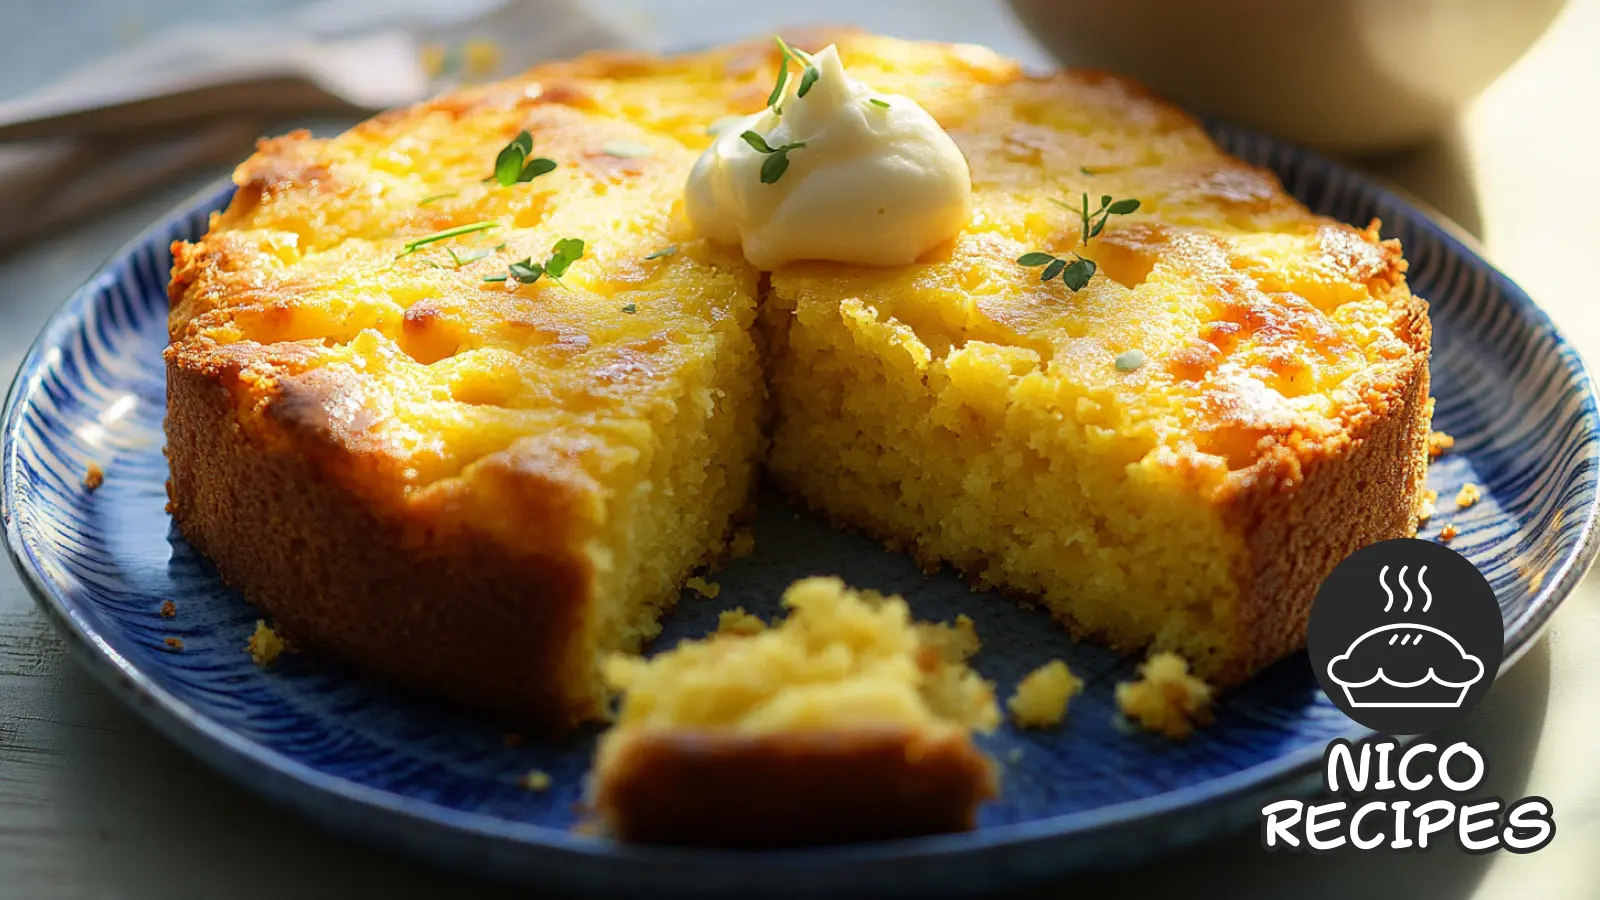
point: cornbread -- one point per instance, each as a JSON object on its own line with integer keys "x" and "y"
{"x": 1041, "y": 697}
{"x": 481, "y": 488}
{"x": 737, "y": 621}
{"x": 264, "y": 645}
{"x": 1166, "y": 698}
{"x": 844, "y": 722}
{"x": 1468, "y": 495}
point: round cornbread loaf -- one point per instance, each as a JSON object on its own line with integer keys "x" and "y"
{"x": 478, "y": 487}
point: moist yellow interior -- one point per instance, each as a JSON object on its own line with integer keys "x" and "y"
{"x": 839, "y": 659}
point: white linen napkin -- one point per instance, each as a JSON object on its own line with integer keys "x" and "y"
{"x": 380, "y": 53}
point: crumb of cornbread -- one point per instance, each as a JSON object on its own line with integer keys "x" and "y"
{"x": 737, "y": 621}
{"x": 1040, "y": 700}
{"x": 168, "y": 609}
{"x": 706, "y": 589}
{"x": 93, "y": 477}
{"x": 744, "y": 544}
{"x": 956, "y": 641}
{"x": 838, "y": 658}
{"x": 174, "y": 644}
{"x": 1438, "y": 443}
{"x": 1166, "y": 698}
{"x": 536, "y": 780}
{"x": 264, "y": 645}
{"x": 1468, "y": 495}
{"x": 1429, "y": 506}
{"x": 1448, "y": 534}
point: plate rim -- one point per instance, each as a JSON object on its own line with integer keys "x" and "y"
{"x": 330, "y": 799}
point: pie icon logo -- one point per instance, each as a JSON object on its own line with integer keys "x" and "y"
{"x": 1405, "y": 636}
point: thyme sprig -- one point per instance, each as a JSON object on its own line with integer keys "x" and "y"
{"x": 512, "y": 165}
{"x": 416, "y": 244}
{"x": 1076, "y": 272}
{"x": 777, "y": 161}
{"x": 525, "y": 271}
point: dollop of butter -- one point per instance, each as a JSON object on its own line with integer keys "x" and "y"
{"x": 874, "y": 184}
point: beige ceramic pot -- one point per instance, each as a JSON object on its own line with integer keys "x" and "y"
{"x": 1346, "y": 76}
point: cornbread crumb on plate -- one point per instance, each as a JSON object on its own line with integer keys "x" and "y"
{"x": 737, "y": 621}
{"x": 1166, "y": 698}
{"x": 168, "y": 609}
{"x": 1428, "y": 506}
{"x": 536, "y": 780}
{"x": 706, "y": 589}
{"x": 1040, "y": 700}
{"x": 743, "y": 544}
{"x": 956, "y": 641}
{"x": 1468, "y": 495}
{"x": 1448, "y": 533}
{"x": 1439, "y": 443}
{"x": 264, "y": 645}
{"x": 174, "y": 644}
{"x": 93, "y": 477}
{"x": 842, "y": 723}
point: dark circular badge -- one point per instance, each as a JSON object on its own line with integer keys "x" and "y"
{"x": 1405, "y": 636}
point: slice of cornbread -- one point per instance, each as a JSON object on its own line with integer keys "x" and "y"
{"x": 471, "y": 486}
{"x": 1273, "y": 420}
{"x": 845, "y": 722}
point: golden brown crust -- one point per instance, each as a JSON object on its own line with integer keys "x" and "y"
{"x": 789, "y": 789}
{"x": 453, "y": 613}
{"x": 1297, "y": 530}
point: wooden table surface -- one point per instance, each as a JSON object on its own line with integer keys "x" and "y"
{"x": 93, "y": 804}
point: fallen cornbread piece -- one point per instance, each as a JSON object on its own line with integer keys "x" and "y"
{"x": 845, "y": 722}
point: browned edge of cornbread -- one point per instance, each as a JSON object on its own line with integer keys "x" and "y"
{"x": 452, "y": 613}
{"x": 1302, "y": 517}
{"x": 786, "y": 789}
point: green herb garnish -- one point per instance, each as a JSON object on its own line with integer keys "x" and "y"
{"x": 415, "y": 245}
{"x": 808, "y": 74}
{"x": 630, "y": 308}
{"x": 777, "y": 161}
{"x": 876, "y": 102}
{"x": 525, "y": 271}
{"x": 1076, "y": 272}
{"x": 513, "y": 166}
{"x": 1130, "y": 360}
{"x": 664, "y": 251}
{"x": 1094, "y": 222}
{"x": 435, "y": 198}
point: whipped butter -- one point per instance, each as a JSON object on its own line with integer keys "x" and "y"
{"x": 877, "y": 182}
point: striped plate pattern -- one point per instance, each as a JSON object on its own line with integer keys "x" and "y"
{"x": 414, "y": 775}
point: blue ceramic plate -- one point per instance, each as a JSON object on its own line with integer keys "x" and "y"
{"x": 416, "y": 776}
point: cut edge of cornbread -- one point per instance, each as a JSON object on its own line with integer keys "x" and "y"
{"x": 846, "y": 721}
